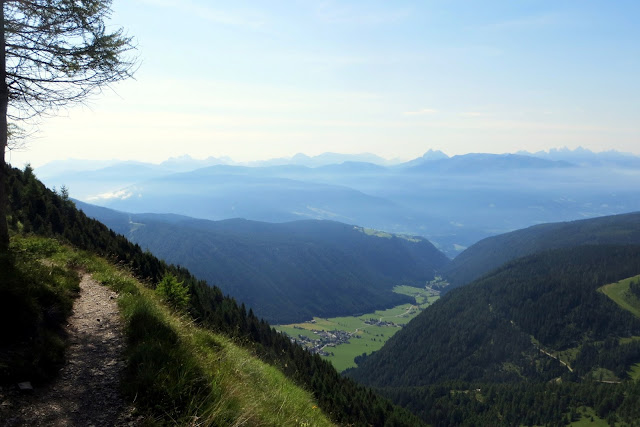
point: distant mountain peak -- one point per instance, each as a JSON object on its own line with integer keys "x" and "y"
{"x": 480, "y": 162}
{"x": 186, "y": 162}
{"x": 324, "y": 159}
{"x": 585, "y": 157}
{"x": 300, "y": 157}
{"x": 434, "y": 155}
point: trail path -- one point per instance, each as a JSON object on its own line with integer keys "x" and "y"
{"x": 562, "y": 362}
{"x": 86, "y": 391}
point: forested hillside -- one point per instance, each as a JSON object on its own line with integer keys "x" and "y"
{"x": 287, "y": 272}
{"x": 533, "y": 320}
{"x": 535, "y": 342}
{"x": 492, "y": 252}
{"x": 475, "y": 332}
{"x": 35, "y": 209}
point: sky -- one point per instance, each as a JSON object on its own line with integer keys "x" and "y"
{"x": 265, "y": 79}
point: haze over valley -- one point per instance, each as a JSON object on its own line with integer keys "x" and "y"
{"x": 362, "y": 213}
{"x": 452, "y": 201}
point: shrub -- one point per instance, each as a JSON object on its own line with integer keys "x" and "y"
{"x": 175, "y": 293}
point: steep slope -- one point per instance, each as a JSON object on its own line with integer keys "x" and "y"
{"x": 163, "y": 361}
{"x": 501, "y": 327}
{"x": 86, "y": 389}
{"x": 492, "y": 252}
{"x": 287, "y": 272}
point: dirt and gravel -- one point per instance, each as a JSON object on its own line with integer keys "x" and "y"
{"x": 86, "y": 392}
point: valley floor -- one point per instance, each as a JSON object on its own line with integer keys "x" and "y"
{"x": 341, "y": 339}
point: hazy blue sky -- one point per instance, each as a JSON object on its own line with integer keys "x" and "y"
{"x": 262, "y": 79}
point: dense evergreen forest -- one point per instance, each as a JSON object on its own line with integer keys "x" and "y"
{"x": 634, "y": 287}
{"x": 286, "y": 271}
{"x": 492, "y": 252}
{"x": 535, "y": 321}
{"x": 522, "y": 403}
{"x": 531, "y": 343}
{"x": 36, "y": 209}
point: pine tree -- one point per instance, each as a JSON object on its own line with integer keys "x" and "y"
{"x": 53, "y": 53}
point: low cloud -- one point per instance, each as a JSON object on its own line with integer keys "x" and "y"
{"x": 120, "y": 195}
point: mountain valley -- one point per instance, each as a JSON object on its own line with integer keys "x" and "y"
{"x": 287, "y": 272}
{"x": 452, "y": 201}
{"x": 535, "y": 326}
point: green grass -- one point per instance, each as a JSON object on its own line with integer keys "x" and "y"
{"x": 588, "y": 417}
{"x": 385, "y": 235}
{"x": 627, "y": 340}
{"x": 569, "y": 355}
{"x": 422, "y": 296}
{"x": 183, "y": 374}
{"x": 178, "y": 373}
{"x": 367, "y": 342}
{"x": 36, "y": 298}
{"x": 602, "y": 374}
{"x": 372, "y": 232}
{"x": 634, "y": 372}
{"x": 367, "y": 338}
{"x": 620, "y": 294}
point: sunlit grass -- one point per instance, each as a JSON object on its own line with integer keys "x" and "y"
{"x": 588, "y": 417}
{"x": 620, "y": 294}
{"x": 602, "y": 374}
{"x": 179, "y": 373}
{"x": 634, "y": 372}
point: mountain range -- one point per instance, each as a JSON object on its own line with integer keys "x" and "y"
{"x": 452, "y": 201}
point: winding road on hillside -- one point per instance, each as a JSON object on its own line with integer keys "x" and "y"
{"x": 562, "y": 362}
{"x": 86, "y": 390}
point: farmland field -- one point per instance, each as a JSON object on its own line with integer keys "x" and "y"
{"x": 340, "y": 339}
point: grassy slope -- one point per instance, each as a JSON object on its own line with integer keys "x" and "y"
{"x": 588, "y": 417}
{"x": 180, "y": 373}
{"x": 35, "y": 299}
{"x": 634, "y": 373}
{"x": 620, "y": 294}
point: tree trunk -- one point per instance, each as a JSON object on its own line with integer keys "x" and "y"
{"x": 4, "y": 229}
{"x": 4, "y": 103}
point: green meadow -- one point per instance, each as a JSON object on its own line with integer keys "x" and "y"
{"x": 620, "y": 293}
{"x": 365, "y": 337}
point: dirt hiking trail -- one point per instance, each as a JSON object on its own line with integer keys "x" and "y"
{"x": 86, "y": 392}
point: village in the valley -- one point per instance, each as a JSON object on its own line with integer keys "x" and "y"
{"x": 341, "y": 339}
{"x": 322, "y": 340}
